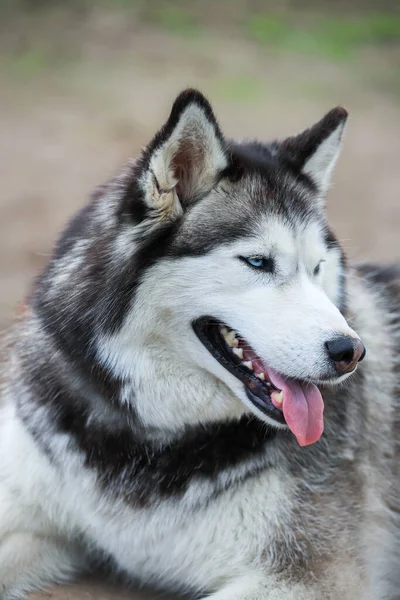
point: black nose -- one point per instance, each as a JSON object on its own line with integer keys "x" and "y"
{"x": 346, "y": 352}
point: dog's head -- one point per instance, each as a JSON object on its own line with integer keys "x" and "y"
{"x": 221, "y": 288}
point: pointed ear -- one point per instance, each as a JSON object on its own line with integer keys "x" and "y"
{"x": 184, "y": 159}
{"x": 316, "y": 150}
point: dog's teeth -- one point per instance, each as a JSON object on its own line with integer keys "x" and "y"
{"x": 261, "y": 376}
{"x": 229, "y": 335}
{"x": 231, "y": 339}
{"x": 238, "y": 352}
{"x": 277, "y": 397}
{"x": 248, "y": 364}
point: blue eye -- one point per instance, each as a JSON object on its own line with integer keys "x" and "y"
{"x": 261, "y": 263}
{"x": 255, "y": 262}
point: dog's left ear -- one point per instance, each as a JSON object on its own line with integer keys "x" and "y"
{"x": 184, "y": 159}
{"x": 316, "y": 150}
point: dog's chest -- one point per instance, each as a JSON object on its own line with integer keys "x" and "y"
{"x": 185, "y": 541}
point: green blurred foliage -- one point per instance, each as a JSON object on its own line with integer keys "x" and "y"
{"x": 31, "y": 62}
{"x": 239, "y": 88}
{"x": 325, "y": 29}
{"x": 335, "y": 37}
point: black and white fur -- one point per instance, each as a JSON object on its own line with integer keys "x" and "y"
{"x": 123, "y": 439}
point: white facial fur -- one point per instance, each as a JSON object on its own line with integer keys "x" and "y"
{"x": 286, "y": 318}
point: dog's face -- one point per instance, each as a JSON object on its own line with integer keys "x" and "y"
{"x": 250, "y": 285}
{"x": 238, "y": 303}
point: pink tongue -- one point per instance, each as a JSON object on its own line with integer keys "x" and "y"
{"x": 303, "y": 408}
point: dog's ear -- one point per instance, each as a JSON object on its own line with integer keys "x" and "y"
{"x": 316, "y": 150}
{"x": 184, "y": 159}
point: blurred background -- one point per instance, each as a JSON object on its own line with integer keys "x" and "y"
{"x": 85, "y": 83}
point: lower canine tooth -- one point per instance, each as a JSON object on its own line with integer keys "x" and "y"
{"x": 238, "y": 352}
{"x": 260, "y": 376}
{"x": 277, "y": 397}
{"x": 248, "y": 365}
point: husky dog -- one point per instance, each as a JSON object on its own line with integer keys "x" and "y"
{"x": 176, "y": 396}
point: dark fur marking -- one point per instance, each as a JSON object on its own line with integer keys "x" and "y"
{"x": 75, "y": 230}
{"x": 301, "y": 147}
{"x": 201, "y": 453}
{"x": 266, "y": 160}
{"x": 136, "y": 469}
{"x": 387, "y": 277}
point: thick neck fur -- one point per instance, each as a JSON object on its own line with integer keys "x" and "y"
{"x": 53, "y": 399}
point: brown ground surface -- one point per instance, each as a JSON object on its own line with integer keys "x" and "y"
{"x": 95, "y": 591}
{"x": 69, "y": 126}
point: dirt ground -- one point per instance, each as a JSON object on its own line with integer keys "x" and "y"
{"x": 68, "y": 126}
{"x": 89, "y": 590}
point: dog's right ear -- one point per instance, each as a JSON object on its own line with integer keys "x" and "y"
{"x": 185, "y": 158}
{"x": 316, "y": 150}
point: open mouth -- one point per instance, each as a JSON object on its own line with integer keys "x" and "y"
{"x": 290, "y": 402}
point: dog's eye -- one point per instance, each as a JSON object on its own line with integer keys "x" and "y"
{"x": 255, "y": 262}
{"x": 318, "y": 268}
{"x": 259, "y": 262}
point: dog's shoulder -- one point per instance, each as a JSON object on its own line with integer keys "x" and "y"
{"x": 385, "y": 278}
